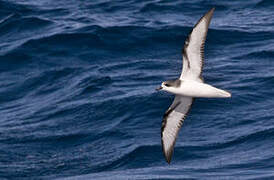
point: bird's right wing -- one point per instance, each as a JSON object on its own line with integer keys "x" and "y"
{"x": 193, "y": 51}
{"x": 172, "y": 122}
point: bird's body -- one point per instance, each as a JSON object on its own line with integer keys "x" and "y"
{"x": 192, "y": 88}
{"x": 190, "y": 85}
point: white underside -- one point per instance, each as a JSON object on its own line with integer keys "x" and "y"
{"x": 196, "y": 89}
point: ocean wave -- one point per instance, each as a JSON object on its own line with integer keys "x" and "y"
{"x": 12, "y": 61}
{"x": 177, "y": 6}
{"x": 9, "y": 8}
{"x": 77, "y": 90}
{"x": 265, "y": 3}
{"x": 147, "y": 153}
{"x": 17, "y": 23}
{"x": 108, "y": 40}
{"x": 259, "y": 54}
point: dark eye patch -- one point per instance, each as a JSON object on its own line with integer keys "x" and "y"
{"x": 167, "y": 85}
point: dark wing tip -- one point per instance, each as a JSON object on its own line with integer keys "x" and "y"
{"x": 207, "y": 15}
{"x": 168, "y": 155}
{"x": 167, "y": 152}
{"x": 212, "y": 9}
{"x": 210, "y": 12}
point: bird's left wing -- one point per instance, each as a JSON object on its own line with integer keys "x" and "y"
{"x": 193, "y": 51}
{"x": 172, "y": 122}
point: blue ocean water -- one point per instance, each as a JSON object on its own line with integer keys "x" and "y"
{"x": 78, "y": 99}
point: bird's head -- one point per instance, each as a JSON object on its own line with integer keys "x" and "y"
{"x": 166, "y": 85}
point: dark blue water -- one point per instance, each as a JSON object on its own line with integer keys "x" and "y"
{"x": 78, "y": 99}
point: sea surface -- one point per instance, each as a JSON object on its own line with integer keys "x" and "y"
{"x": 78, "y": 99}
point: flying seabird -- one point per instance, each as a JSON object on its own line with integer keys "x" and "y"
{"x": 190, "y": 85}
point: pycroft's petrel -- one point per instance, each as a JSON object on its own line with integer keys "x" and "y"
{"x": 188, "y": 86}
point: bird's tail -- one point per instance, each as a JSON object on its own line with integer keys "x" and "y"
{"x": 223, "y": 94}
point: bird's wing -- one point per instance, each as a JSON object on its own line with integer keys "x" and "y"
{"x": 193, "y": 51}
{"x": 172, "y": 122}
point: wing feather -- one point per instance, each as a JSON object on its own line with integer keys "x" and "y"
{"x": 193, "y": 51}
{"x": 172, "y": 122}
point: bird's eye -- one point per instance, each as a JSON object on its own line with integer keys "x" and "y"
{"x": 167, "y": 85}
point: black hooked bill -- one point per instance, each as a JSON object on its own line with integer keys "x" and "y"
{"x": 159, "y": 88}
